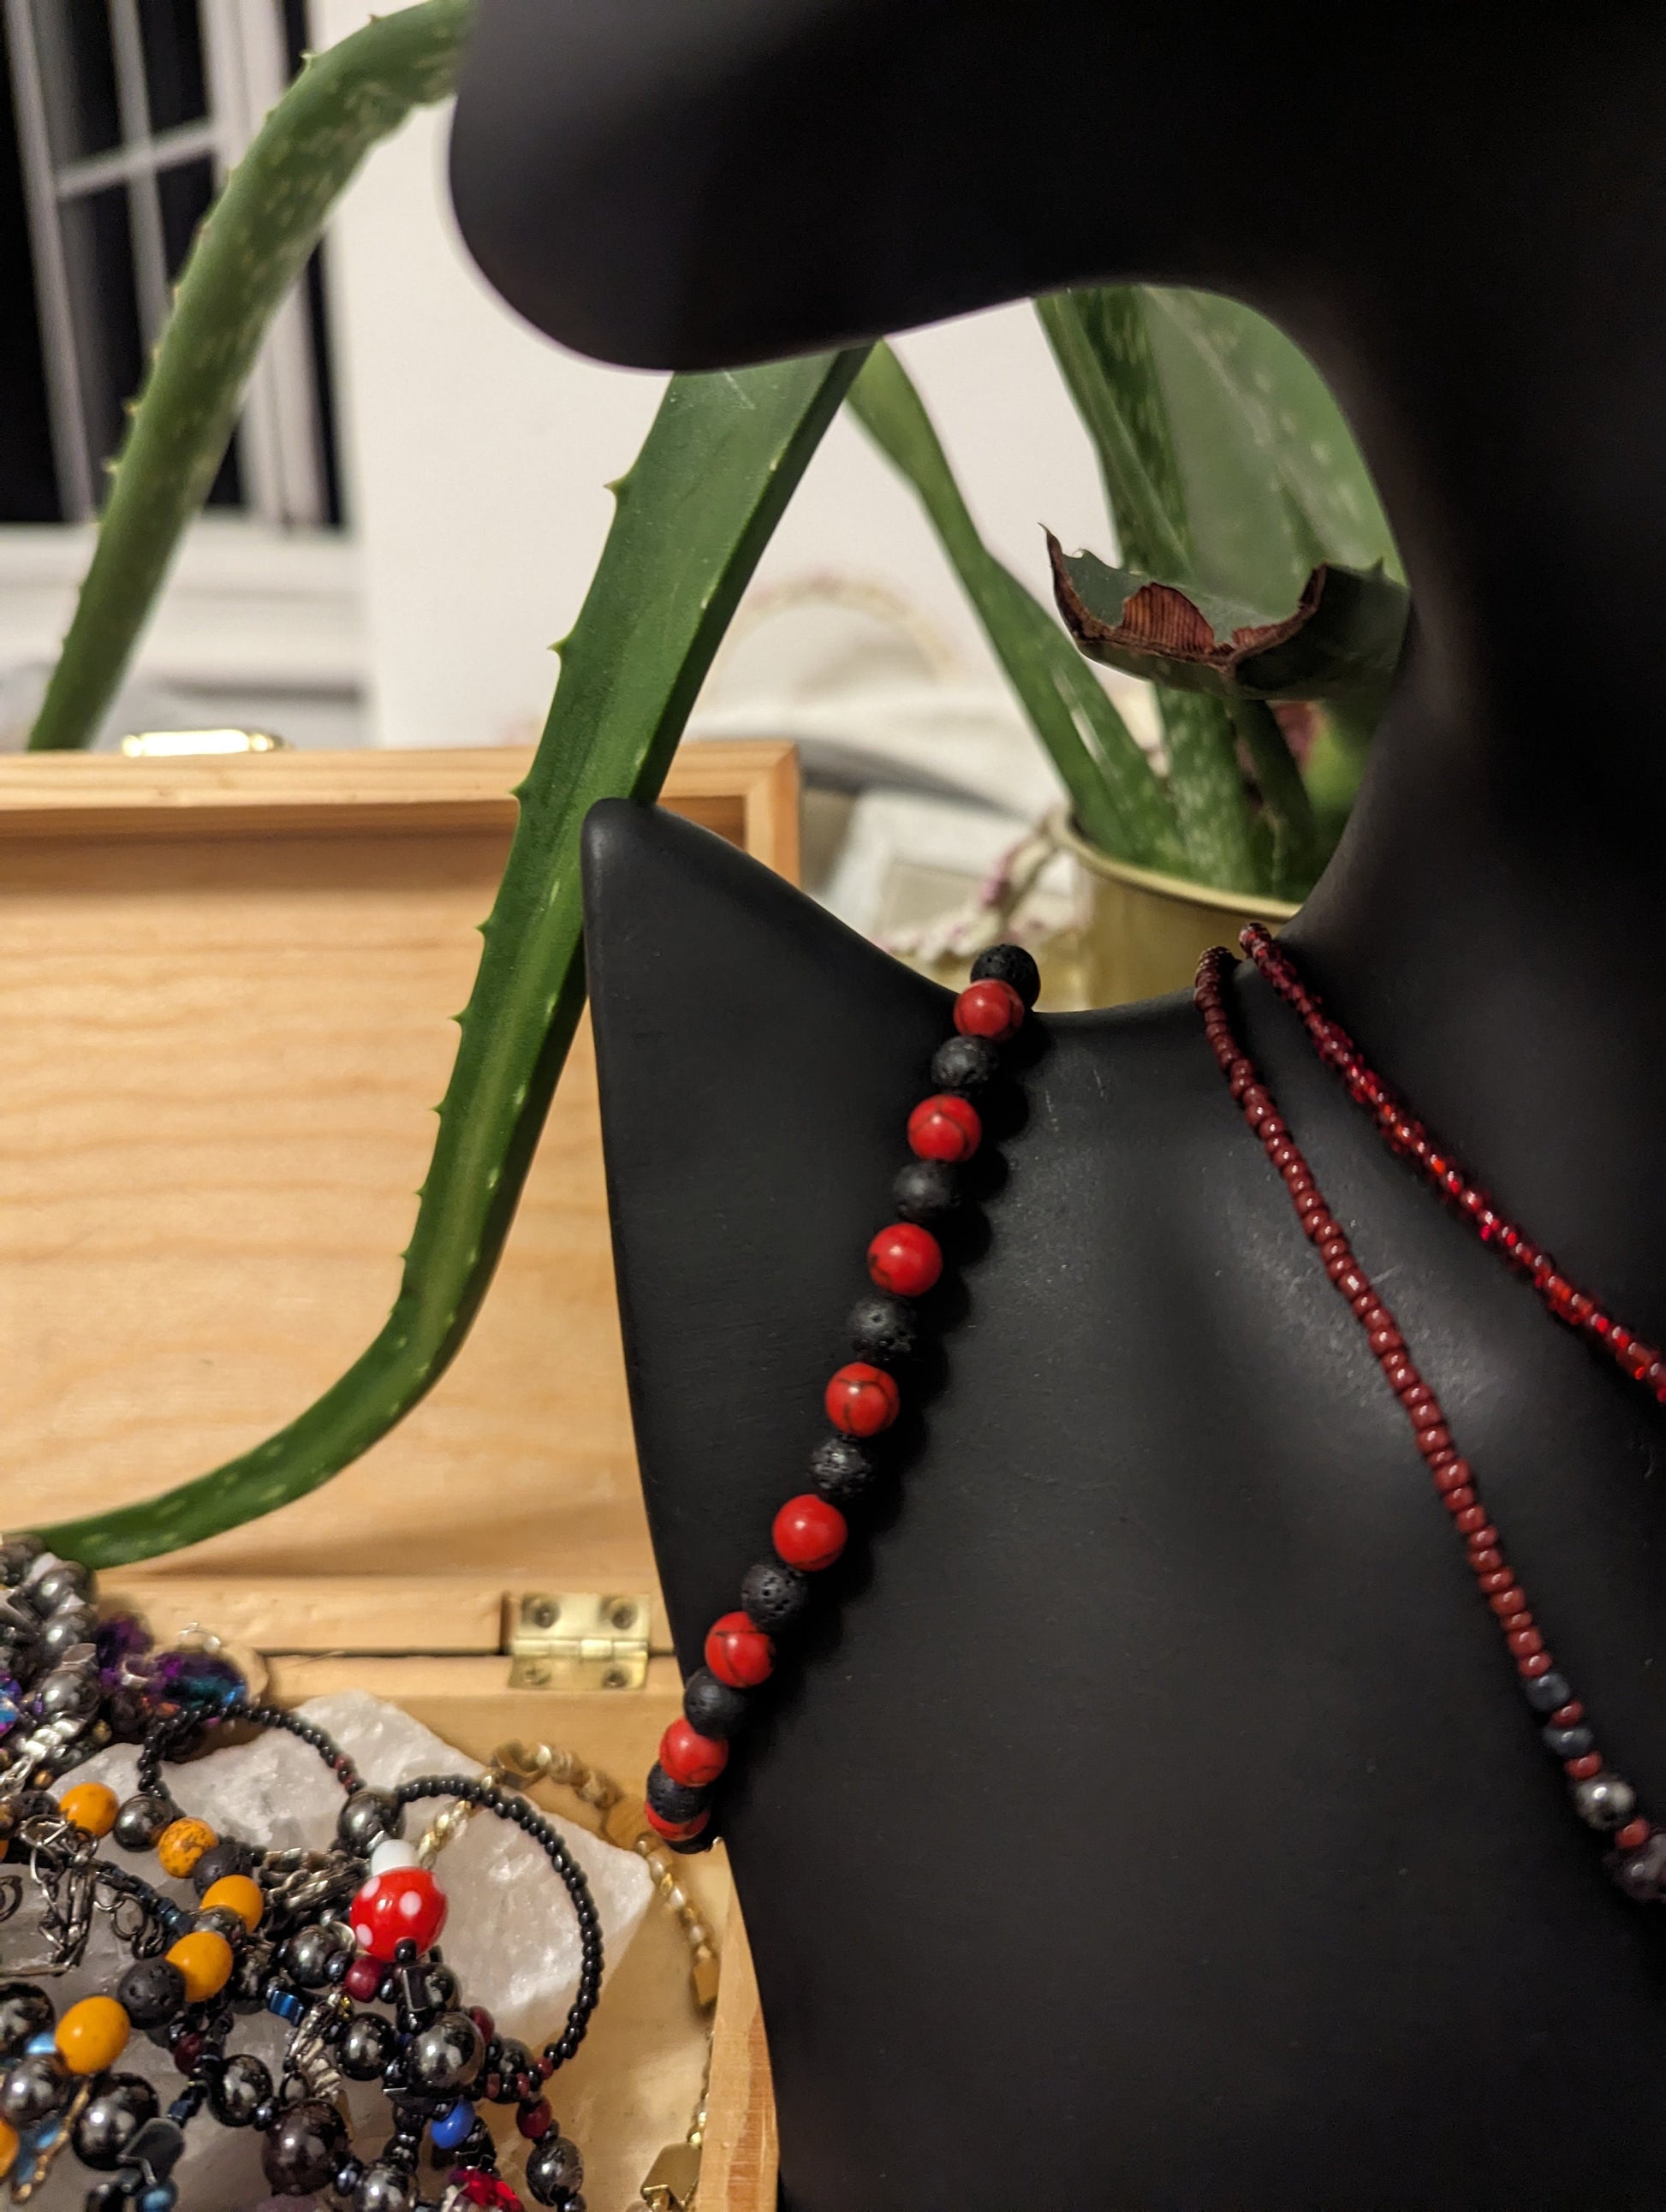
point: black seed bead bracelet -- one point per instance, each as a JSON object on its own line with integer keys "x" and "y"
{"x": 861, "y": 1400}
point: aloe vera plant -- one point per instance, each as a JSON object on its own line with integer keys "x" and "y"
{"x": 1257, "y": 566}
{"x": 720, "y": 464}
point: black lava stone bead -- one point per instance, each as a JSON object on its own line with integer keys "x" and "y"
{"x": 242, "y": 2086}
{"x": 1009, "y": 963}
{"x": 555, "y": 2170}
{"x": 925, "y": 1190}
{"x": 140, "y": 1820}
{"x": 367, "y": 2041}
{"x": 25, "y": 2011}
{"x": 367, "y": 1816}
{"x": 675, "y": 1802}
{"x": 302, "y": 2151}
{"x": 841, "y": 1470}
{"x": 965, "y": 1063}
{"x": 446, "y": 2055}
{"x": 772, "y": 1596}
{"x": 33, "y": 2087}
{"x": 883, "y": 1328}
{"x": 152, "y": 1990}
{"x": 306, "y": 1956}
{"x": 711, "y": 1707}
{"x": 227, "y": 1857}
{"x": 121, "y": 2103}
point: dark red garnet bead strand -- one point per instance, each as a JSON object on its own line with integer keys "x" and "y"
{"x": 1404, "y": 1133}
{"x": 1604, "y": 1800}
{"x": 861, "y": 1400}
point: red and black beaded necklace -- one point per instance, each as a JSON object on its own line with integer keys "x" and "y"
{"x": 905, "y": 1261}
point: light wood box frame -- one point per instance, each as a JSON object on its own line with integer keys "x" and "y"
{"x": 224, "y": 1000}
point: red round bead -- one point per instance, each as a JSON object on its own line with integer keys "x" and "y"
{"x": 1633, "y": 1836}
{"x": 1525, "y": 1642}
{"x": 990, "y": 1009}
{"x": 1568, "y": 1716}
{"x": 861, "y": 1399}
{"x": 1581, "y": 1770}
{"x": 1540, "y": 1663}
{"x": 691, "y": 1757}
{"x": 362, "y": 1979}
{"x": 808, "y": 1532}
{"x": 905, "y": 1260}
{"x": 945, "y": 1128}
{"x": 675, "y": 1831}
{"x": 738, "y": 1654}
{"x": 533, "y": 2121}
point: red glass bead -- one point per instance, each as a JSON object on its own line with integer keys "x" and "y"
{"x": 488, "y": 2192}
{"x": 1568, "y": 1716}
{"x": 1453, "y": 1475}
{"x": 1482, "y": 1539}
{"x": 1487, "y": 1562}
{"x": 188, "y": 2049}
{"x": 1431, "y": 1442}
{"x": 989, "y": 1009}
{"x": 362, "y": 1979}
{"x": 1500, "y": 1578}
{"x": 675, "y": 1831}
{"x": 1581, "y": 1770}
{"x": 905, "y": 1260}
{"x": 808, "y": 1532}
{"x": 1508, "y": 1601}
{"x": 689, "y": 1757}
{"x": 533, "y": 2121}
{"x": 1461, "y": 1503}
{"x": 484, "y": 2021}
{"x": 1541, "y": 1662}
{"x": 1633, "y": 1836}
{"x": 1426, "y": 1414}
{"x": 861, "y": 1399}
{"x": 399, "y": 1904}
{"x": 1471, "y": 1518}
{"x": 1524, "y": 1642}
{"x": 738, "y": 1654}
{"x": 945, "y": 1128}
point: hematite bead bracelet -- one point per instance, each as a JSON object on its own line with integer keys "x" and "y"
{"x": 861, "y": 1400}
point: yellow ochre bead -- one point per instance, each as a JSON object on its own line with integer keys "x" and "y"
{"x": 204, "y": 1959}
{"x": 91, "y": 1806}
{"x": 92, "y": 2035}
{"x": 8, "y": 2148}
{"x": 182, "y": 1843}
{"x": 236, "y": 1893}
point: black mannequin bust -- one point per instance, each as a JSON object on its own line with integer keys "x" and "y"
{"x": 1151, "y": 1818}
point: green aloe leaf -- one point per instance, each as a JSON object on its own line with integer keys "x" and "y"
{"x": 1340, "y": 640}
{"x": 1119, "y": 801}
{"x": 252, "y": 245}
{"x": 721, "y": 461}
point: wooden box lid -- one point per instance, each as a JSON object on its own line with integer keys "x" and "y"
{"x": 226, "y": 992}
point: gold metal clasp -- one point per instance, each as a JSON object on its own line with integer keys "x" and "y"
{"x": 577, "y": 1640}
{"x": 673, "y": 2178}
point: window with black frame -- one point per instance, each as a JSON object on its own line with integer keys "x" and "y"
{"x": 122, "y": 117}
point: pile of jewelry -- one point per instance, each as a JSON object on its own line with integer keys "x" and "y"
{"x": 340, "y": 1945}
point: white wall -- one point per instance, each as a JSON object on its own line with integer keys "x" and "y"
{"x": 477, "y": 453}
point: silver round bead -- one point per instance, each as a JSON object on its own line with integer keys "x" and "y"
{"x": 1605, "y": 1800}
{"x": 68, "y": 1693}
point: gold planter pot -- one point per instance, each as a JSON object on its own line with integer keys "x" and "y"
{"x": 1144, "y": 932}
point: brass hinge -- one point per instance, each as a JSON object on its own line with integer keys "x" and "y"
{"x": 673, "y": 2178}
{"x": 577, "y": 1640}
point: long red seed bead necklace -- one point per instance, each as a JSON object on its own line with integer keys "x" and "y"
{"x": 1602, "y": 1798}
{"x": 861, "y": 1400}
{"x": 1405, "y": 1135}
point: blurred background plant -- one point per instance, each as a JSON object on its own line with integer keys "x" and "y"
{"x": 1230, "y": 479}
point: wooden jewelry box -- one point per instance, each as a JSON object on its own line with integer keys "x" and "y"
{"x": 225, "y": 987}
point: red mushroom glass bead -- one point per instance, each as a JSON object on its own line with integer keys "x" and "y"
{"x": 905, "y": 1260}
{"x": 690, "y": 1758}
{"x": 861, "y": 1401}
{"x": 946, "y": 1127}
{"x": 738, "y": 1654}
{"x": 400, "y": 1903}
{"x": 990, "y": 1009}
{"x": 809, "y": 1533}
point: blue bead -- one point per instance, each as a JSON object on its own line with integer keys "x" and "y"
{"x": 285, "y": 2004}
{"x": 162, "y": 2197}
{"x": 44, "y": 2042}
{"x": 453, "y": 2127}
